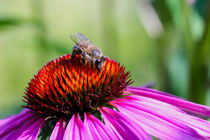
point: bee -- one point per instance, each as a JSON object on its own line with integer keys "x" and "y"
{"x": 87, "y": 50}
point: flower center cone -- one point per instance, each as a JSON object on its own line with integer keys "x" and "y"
{"x": 66, "y": 86}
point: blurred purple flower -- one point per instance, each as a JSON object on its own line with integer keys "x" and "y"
{"x": 104, "y": 107}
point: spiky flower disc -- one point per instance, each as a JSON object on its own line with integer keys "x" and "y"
{"x": 66, "y": 86}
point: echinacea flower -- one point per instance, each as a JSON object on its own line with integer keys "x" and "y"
{"x": 71, "y": 99}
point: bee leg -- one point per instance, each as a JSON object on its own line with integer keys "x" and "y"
{"x": 75, "y": 51}
{"x": 73, "y": 54}
{"x": 83, "y": 56}
{"x": 92, "y": 63}
{"x": 83, "y": 60}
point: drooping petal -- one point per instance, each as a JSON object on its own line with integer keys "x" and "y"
{"x": 123, "y": 126}
{"x": 176, "y": 101}
{"x": 27, "y": 128}
{"x": 75, "y": 129}
{"x": 58, "y": 131}
{"x": 6, "y": 122}
{"x": 97, "y": 130}
{"x": 162, "y": 120}
{"x": 14, "y": 123}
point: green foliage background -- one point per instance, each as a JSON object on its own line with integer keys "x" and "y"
{"x": 162, "y": 41}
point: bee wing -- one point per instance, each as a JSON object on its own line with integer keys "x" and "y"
{"x": 78, "y": 37}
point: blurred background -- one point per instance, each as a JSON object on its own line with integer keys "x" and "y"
{"x": 161, "y": 41}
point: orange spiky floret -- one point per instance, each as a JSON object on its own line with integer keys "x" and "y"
{"x": 65, "y": 86}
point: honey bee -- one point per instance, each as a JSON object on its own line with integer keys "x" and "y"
{"x": 87, "y": 50}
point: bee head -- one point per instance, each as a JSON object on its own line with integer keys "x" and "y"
{"x": 99, "y": 63}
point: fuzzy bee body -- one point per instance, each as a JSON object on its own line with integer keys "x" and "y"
{"x": 87, "y": 50}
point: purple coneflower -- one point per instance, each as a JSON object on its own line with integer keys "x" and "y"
{"x": 71, "y": 99}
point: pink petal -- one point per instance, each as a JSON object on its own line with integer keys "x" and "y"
{"x": 58, "y": 131}
{"x": 12, "y": 123}
{"x": 123, "y": 126}
{"x": 154, "y": 90}
{"x": 181, "y": 103}
{"x": 30, "y": 129}
{"x": 97, "y": 130}
{"x": 162, "y": 120}
{"x": 75, "y": 129}
{"x": 6, "y": 120}
{"x": 25, "y": 125}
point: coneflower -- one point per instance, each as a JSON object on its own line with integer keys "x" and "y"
{"x": 71, "y": 99}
